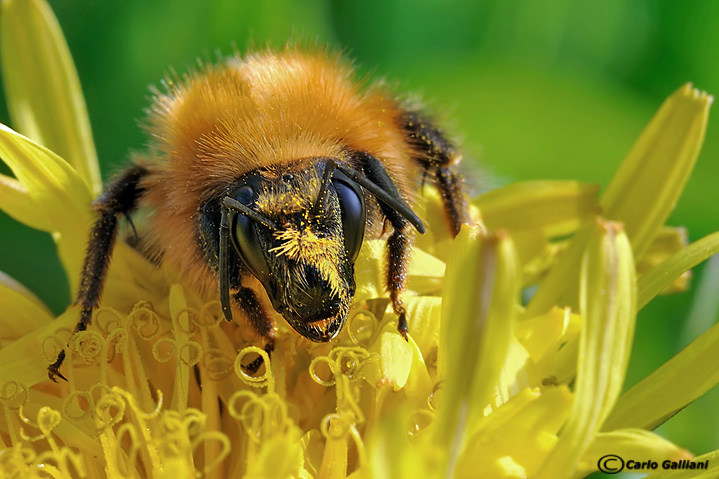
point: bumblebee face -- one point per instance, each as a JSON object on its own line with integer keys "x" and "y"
{"x": 304, "y": 254}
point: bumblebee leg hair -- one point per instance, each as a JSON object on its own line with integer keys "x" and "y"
{"x": 119, "y": 197}
{"x": 259, "y": 321}
{"x": 450, "y": 187}
{"x": 436, "y": 153}
{"x": 399, "y": 243}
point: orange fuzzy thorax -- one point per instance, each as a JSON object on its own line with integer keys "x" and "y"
{"x": 269, "y": 109}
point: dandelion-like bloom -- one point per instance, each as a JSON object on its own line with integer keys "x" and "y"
{"x": 486, "y": 386}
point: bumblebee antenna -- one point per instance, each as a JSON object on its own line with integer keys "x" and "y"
{"x": 330, "y": 167}
{"x": 224, "y": 267}
{"x": 394, "y": 201}
{"x": 234, "y": 205}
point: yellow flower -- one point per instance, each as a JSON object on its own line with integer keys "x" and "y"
{"x": 486, "y": 386}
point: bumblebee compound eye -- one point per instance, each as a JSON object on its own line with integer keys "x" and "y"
{"x": 353, "y": 213}
{"x": 245, "y": 236}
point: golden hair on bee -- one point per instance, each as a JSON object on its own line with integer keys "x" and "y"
{"x": 262, "y": 178}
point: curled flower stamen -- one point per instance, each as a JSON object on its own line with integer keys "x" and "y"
{"x": 316, "y": 376}
{"x": 13, "y": 395}
{"x": 107, "y": 319}
{"x": 78, "y": 405}
{"x": 164, "y": 349}
{"x": 210, "y": 315}
{"x": 53, "y": 344}
{"x": 217, "y": 365}
{"x": 262, "y": 417}
{"x": 144, "y": 321}
{"x": 336, "y": 426}
{"x": 110, "y": 410}
{"x": 361, "y": 326}
{"x": 224, "y": 451}
{"x": 88, "y": 345}
{"x": 188, "y": 325}
{"x": 116, "y": 343}
{"x": 190, "y": 353}
{"x": 350, "y": 361}
{"x": 128, "y": 445}
{"x": 264, "y": 380}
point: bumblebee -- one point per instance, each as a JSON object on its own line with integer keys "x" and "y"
{"x": 262, "y": 178}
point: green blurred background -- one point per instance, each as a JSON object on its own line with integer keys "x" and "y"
{"x": 534, "y": 89}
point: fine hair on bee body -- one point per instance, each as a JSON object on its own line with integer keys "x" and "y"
{"x": 262, "y": 178}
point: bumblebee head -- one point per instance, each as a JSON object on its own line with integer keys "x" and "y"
{"x": 301, "y": 241}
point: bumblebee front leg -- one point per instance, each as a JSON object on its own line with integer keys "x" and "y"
{"x": 437, "y": 154}
{"x": 245, "y": 297}
{"x": 400, "y": 241}
{"x": 120, "y": 197}
{"x": 260, "y": 323}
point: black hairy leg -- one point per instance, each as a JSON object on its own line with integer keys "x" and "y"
{"x": 120, "y": 197}
{"x": 400, "y": 241}
{"x": 216, "y": 244}
{"x": 226, "y": 261}
{"x": 259, "y": 321}
{"x": 437, "y": 155}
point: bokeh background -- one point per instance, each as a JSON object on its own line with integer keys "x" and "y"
{"x": 535, "y": 90}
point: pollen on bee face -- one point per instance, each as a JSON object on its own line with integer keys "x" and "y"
{"x": 305, "y": 247}
{"x": 295, "y": 193}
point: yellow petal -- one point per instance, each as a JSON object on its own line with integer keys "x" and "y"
{"x": 419, "y": 384}
{"x": 608, "y": 305}
{"x": 279, "y": 458}
{"x": 9, "y": 282}
{"x": 554, "y": 208}
{"x": 479, "y": 304}
{"x": 181, "y": 320}
{"x": 17, "y": 203}
{"x": 535, "y": 252}
{"x": 658, "y": 278}
{"x": 668, "y": 241}
{"x": 44, "y": 95}
{"x": 334, "y": 458}
{"x": 370, "y": 274}
{"x": 20, "y": 313}
{"x": 312, "y": 444}
{"x": 437, "y": 241}
{"x": 423, "y": 313}
{"x": 62, "y": 198}
{"x": 514, "y": 376}
{"x": 395, "y": 359}
{"x": 514, "y": 440}
{"x": 424, "y": 276}
{"x": 534, "y": 212}
{"x": 391, "y": 454}
{"x": 649, "y": 181}
{"x": 24, "y": 360}
{"x": 667, "y": 390}
{"x": 642, "y": 193}
{"x": 560, "y": 286}
{"x": 534, "y": 268}
{"x": 542, "y": 335}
